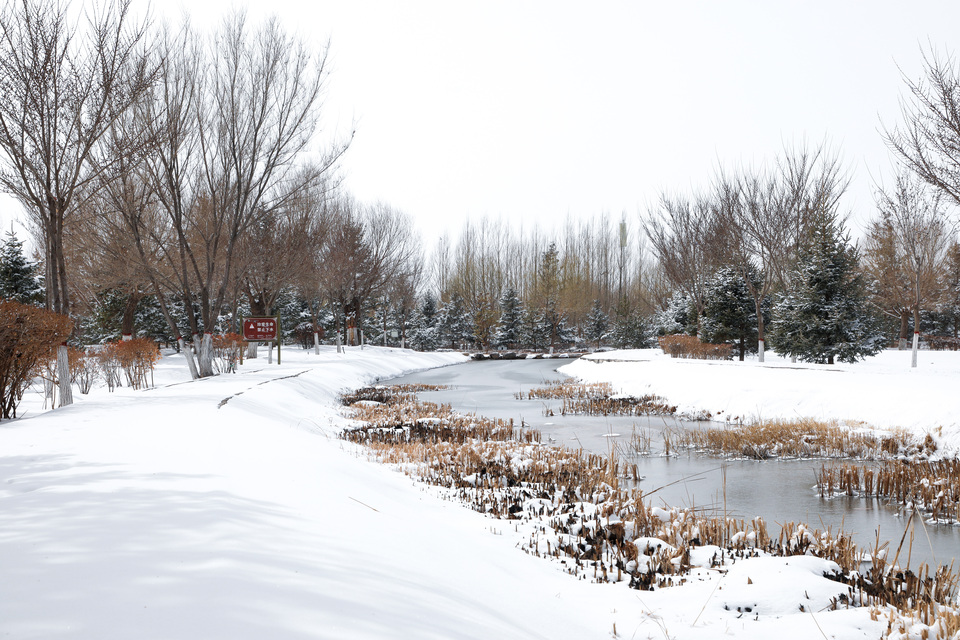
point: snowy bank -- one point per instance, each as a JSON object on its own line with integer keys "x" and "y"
{"x": 882, "y": 391}
{"x": 227, "y": 508}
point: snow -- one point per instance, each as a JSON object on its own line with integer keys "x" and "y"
{"x": 227, "y": 508}
{"x": 881, "y": 391}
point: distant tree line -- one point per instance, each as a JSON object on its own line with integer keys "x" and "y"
{"x": 176, "y": 180}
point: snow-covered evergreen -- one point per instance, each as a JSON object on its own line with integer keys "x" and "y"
{"x": 630, "y": 330}
{"x": 730, "y": 312}
{"x": 424, "y": 334}
{"x": 454, "y": 324}
{"x": 18, "y": 276}
{"x": 508, "y": 332}
{"x": 678, "y": 317}
{"x": 597, "y": 324}
{"x": 824, "y": 317}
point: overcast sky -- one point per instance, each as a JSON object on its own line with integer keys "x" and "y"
{"x": 533, "y": 111}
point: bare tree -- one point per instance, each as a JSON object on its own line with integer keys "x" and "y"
{"x": 765, "y": 216}
{"x": 234, "y": 116}
{"x": 928, "y": 140}
{"x": 681, "y": 234}
{"x": 63, "y": 84}
{"x": 921, "y": 235}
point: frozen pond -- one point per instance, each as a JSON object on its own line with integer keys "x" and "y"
{"x": 778, "y": 491}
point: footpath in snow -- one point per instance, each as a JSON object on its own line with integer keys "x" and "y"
{"x": 227, "y": 508}
{"x": 881, "y": 391}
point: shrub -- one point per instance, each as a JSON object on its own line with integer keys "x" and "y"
{"x": 83, "y": 368}
{"x": 227, "y": 349}
{"x": 684, "y": 346}
{"x": 137, "y": 357}
{"x": 29, "y": 337}
{"x": 942, "y": 343}
{"x": 108, "y": 365}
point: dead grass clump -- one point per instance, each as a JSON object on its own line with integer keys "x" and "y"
{"x": 596, "y": 399}
{"x": 794, "y": 439}
{"x": 932, "y": 488}
{"x": 684, "y": 346}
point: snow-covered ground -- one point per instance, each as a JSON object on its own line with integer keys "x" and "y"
{"x": 882, "y": 391}
{"x": 227, "y": 508}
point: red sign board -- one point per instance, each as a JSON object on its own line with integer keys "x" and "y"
{"x": 260, "y": 329}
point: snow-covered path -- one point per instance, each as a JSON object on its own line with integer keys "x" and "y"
{"x": 170, "y": 514}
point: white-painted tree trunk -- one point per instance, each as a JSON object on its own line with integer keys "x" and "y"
{"x": 916, "y": 347}
{"x": 126, "y": 336}
{"x": 316, "y": 342}
{"x": 760, "y": 350}
{"x": 205, "y": 357}
{"x": 252, "y": 349}
{"x": 188, "y": 354}
{"x": 63, "y": 376}
{"x": 339, "y": 348}
{"x": 269, "y": 353}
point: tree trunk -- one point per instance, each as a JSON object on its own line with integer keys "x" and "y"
{"x": 316, "y": 342}
{"x": 743, "y": 346}
{"x": 63, "y": 376}
{"x": 761, "y": 329}
{"x": 904, "y": 328}
{"x": 916, "y": 337}
{"x": 129, "y": 315}
{"x": 205, "y": 356}
{"x": 188, "y": 354}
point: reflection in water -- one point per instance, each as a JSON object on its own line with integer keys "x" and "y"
{"x": 780, "y": 492}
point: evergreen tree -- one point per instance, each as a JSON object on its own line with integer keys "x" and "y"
{"x": 555, "y": 325}
{"x": 597, "y": 324}
{"x": 729, "y": 311}
{"x": 680, "y": 316}
{"x": 18, "y": 276}
{"x": 536, "y": 331}
{"x": 424, "y": 335}
{"x": 630, "y": 330}
{"x": 454, "y": 325}
{"x": 823, "y": 316}
{"x": 508, "y": 332}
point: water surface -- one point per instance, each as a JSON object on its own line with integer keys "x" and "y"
{"x": 778, "y": 491}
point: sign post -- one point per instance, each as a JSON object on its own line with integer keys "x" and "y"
{"x": 263, "y": 329}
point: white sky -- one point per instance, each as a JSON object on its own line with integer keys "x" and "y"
{"x": 533, "y": 111}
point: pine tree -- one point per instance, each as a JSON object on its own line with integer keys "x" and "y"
{"x": 597, "y": 324}
{"x": 536, "y": 331}
{"x": 729, "y": 312}
{"x": 454, "y": 324}
{"x": 424, "y": 335}
{"x": 630, "y": 330}
{"x": 508, "y": 332}
{"x": 679, "y": 317}
{"x": 18, "y": 279}
{"x": 823, "y": 316}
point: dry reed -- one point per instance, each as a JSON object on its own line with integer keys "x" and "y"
{"x": 583, "y": 516}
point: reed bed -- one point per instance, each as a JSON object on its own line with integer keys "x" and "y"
{"x": 794, "y": 439}
{"x": 932, "y": 488}
{"x": 577, "y": 509}
{"x": 596, "y": 399}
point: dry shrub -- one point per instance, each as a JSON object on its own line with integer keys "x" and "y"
{"x": 108, "y": 364}
{"x": 684, "y": 346}
{"x": 227, "y": 350}
{"x": 29, "y": 337}
{"x": 83, "y": 368}
{"x": 137, "y": 358}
